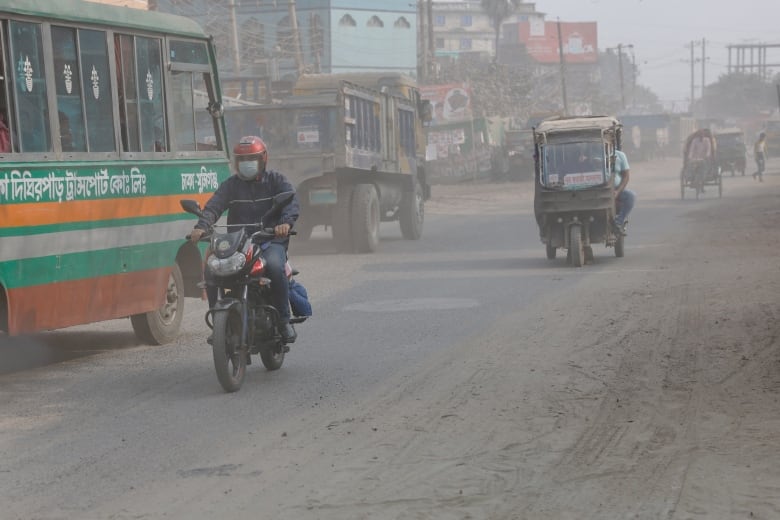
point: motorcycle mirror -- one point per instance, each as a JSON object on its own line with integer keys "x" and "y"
{"x": 191, "y": 206}
{"x": 280, "y": 200}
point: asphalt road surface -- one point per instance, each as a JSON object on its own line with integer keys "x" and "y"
{"x": 460, "y": 376}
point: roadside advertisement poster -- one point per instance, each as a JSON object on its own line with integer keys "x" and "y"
{"x": 451, "y": 102}
{"x": 580, "y": 41}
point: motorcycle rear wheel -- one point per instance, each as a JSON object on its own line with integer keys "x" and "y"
{"x": 229, "y": 357}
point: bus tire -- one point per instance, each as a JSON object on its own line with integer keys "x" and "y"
{"x": 412, "y": 214}
{"x": 162, "y": 325}
{"x": 365, "y": 218}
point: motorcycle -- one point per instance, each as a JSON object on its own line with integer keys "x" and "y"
{"x": 244, "y": 320}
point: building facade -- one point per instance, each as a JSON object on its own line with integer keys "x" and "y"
{"x": 332, "y": 35}
{"x": 463, "y": 26}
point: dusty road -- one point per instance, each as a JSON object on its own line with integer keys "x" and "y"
{"x": 643, "y": 387}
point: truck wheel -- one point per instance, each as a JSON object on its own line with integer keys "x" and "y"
{"x": 303, "y": 230}
{"x": 412, "y": 214}
{"x": 365, "y": 218}
{"x": 162, "y": 325}
{"x": 342, "y": 219}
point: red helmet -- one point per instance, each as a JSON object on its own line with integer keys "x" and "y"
{"x": 251, "y": 156}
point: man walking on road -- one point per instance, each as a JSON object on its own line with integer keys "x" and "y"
{"x": 759, "y": 153}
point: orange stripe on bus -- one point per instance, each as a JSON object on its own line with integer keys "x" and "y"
{"x": 46, "y": 213}
{"x": 63, "y": 304}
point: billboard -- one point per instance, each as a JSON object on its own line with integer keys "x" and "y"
{"x": 451, "y": 102}
{"x": 580, "y": 40}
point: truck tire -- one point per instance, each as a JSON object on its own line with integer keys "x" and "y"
{"x": 342, "y": 218}
{"x": 412, "y": 213}
{"x": 162, "y": 325}
{"x": 303, "y": 230}
{"x": 365, "y": 218}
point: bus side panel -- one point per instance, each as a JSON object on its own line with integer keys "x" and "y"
{"x": 63, "y": 304}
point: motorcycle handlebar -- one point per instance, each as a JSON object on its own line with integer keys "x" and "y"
{"x": 267, "y": 233}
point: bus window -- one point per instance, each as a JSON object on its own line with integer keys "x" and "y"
{"x": 151, "y": 104}
{"x": 5, "y": 132}
{"x": 69, "y": 102}
{"x": 182, "y": 98}
{"x": 30, "y": 86}
{"x": 96, "y": 85}
{"x": 128, "y": 98}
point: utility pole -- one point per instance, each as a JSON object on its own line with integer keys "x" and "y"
{"x": 703, "y": 62}
{"x": 422, "y": 52}
{"x": 296, "y": 36}
{"x": 693, "y": 64}
{"x": 430, "y": 50}
{"x": 563, "y": 71}
{"x": 620, "y": 72}
{"x": 633, "y": 78}
{"x": 236, "y": 48}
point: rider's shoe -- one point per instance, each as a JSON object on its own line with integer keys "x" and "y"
{"x": 619, "y": 229}
{"x": 288, "y": 333}
{"x": 210, "y": 339}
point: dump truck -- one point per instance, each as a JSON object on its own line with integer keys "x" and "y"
{"x": 354, "y": 147}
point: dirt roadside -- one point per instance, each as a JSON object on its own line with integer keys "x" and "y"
{"x": 661, "y": 401}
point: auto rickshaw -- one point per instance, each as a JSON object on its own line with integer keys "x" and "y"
{"x": 731, "y": 152}
{"x": 698, "y": 172}
{"x": 574, "y": 198}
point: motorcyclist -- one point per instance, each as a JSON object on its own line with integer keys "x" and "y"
{"x": 247, "y": 195}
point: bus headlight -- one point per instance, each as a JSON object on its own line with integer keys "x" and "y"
{"x": 227, "y": 266}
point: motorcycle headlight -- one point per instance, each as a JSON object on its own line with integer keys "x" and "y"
{"x": 227, "y": 266}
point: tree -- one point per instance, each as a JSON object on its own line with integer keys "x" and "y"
{"x": 739, "y": 95}
{"x": 498, "y": 11}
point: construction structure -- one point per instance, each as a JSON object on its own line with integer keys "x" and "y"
{"x": 753, "y": 58}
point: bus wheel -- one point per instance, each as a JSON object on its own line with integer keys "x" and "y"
{"x": 162, "y": 325}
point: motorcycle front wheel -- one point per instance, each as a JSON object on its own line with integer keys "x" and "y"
{"x": 229, "y": 357}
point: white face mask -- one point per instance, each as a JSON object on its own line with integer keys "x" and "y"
{"x": 248, "y": 170}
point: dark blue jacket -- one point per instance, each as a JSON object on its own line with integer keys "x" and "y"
{"x": 247, "y": 201}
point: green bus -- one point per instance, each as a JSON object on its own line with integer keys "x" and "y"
{"x": 109, "y": 116}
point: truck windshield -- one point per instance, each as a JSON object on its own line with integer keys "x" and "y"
{"x": 574, "y": 164}
{"x": 284, "y": 130}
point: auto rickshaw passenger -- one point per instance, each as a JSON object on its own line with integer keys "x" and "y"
{"x": 624, "y": 198}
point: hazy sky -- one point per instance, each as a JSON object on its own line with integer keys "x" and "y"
{"x": 661, "y": 32}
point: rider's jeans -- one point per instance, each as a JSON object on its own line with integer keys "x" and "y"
{"x": 275, "y": 256}
{"x": 626, "y": 201}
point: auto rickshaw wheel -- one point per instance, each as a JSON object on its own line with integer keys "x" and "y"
{"x": 588, "y": 250}
{"x": 576, "y": 249}
{"x": 619, "y": 243}
{"x": 551, "y": 250}
{"x": 720, "y": 186}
